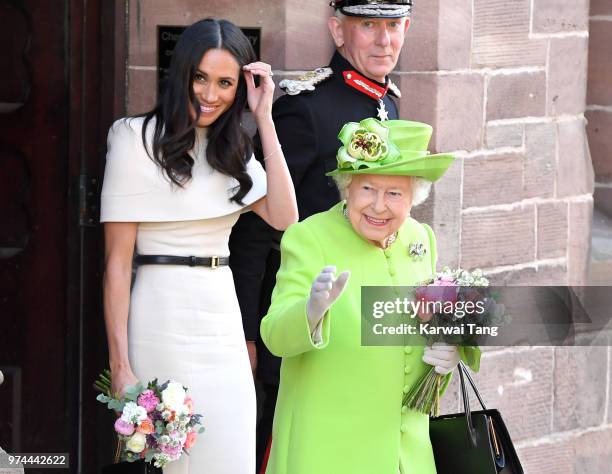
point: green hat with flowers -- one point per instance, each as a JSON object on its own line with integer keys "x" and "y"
{"x": 393, "y": 147}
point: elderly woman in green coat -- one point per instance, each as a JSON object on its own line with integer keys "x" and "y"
{"x": 339, "y": 407}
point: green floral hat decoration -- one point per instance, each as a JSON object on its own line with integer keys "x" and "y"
{"x": 393, "y": 147}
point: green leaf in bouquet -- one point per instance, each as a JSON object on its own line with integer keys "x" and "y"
{"x": 103, "y": 398}
{"x": 149, "y": 456}
{"x": 470, "y": 355}
{"x": 116, "y": 405}
{"x": 201, "y": 430}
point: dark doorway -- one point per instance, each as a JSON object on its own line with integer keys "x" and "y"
{"x": 61, "y": 85}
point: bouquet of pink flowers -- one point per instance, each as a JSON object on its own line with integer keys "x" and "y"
{"x": 454, "y": 307}
{"x": 156, "y": 423}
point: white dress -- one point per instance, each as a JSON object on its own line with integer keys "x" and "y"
{"x": 184, "y": 322}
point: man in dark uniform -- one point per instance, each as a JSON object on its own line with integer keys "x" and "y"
{"x": 368, "y": 35}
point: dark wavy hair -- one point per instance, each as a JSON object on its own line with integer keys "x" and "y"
{"x": 229, "y": 146}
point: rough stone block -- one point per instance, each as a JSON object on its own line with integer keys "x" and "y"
{"x": 142, "y": 91}
{"x": 501, "y": 35}
{"x": 519, "y": 385}
{"x": 459, "y": 123}
{"x": 498, "y": 237}
{"x": 601, "y": 7}
{"x": 600, "y": 143}
{"x": 420, "y": 51}
{"x": 145, "y": 16}
{"x": 446, "y": 210}
{"x": 579, "y": 387}
{"x": 579, "y": 245}
{"x": 308, "y": 43}
{"x": 575, "y": 169}
{"x": 567, "y": 75}
{"x": 552, "y": 230}
{"x": 504, "y": 135}
{"x": 602, "y": 198}
{"x": 556, "y": 16}
{"x": 490, "y": 180}
{"x": 419, "y": 98}
{"x": 551, "y": 275}
{"x": 516, "y": 95}
{"x": 455, "y": 34}
{"x": 600, "y": 63}
{"x": 540, "y": 160}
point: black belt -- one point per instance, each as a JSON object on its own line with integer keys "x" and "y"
{"x": 212, "y": 262}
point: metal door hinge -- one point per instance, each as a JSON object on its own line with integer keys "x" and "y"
{"x": 89, "y": 201}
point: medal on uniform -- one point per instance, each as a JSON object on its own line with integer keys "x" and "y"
{"x": 382, "y": 111}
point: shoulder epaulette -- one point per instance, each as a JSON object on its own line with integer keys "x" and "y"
{"x": 394, "y": 90}
{"x": 307, "y": 82}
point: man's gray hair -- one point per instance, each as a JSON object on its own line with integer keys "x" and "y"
{"x": 420, "y": 187}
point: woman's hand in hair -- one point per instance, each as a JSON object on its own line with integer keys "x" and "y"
{"x": 259, "y": 98}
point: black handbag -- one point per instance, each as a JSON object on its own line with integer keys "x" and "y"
{"x": 137, "y": 467}
{"x": 473, "y": 442}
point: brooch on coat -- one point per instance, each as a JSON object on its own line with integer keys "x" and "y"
{"x": 305, "y": 82}
{"x": 417, "y": 251}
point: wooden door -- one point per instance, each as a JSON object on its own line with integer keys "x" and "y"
{"x": 60, "y": 88}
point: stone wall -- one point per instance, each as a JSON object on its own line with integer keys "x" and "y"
{"x": 504, "y": 85}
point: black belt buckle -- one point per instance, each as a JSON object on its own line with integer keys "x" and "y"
{"x": 214, "y": 262}
{"x": 193, "y": 261}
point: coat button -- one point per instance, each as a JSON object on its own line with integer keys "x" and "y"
{"x": 404, "y": 409}
{"x": 407, "y": 369}
{"x": 404, "y": 429}
{"x": 408, "y": 349}
{"x": 392, "y": 272}
{"x": 406, "y": 388}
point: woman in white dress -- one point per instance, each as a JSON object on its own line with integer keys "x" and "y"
{"x": 176, "y": 180}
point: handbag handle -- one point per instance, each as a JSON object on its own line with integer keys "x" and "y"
{"x": 463, "y": 372}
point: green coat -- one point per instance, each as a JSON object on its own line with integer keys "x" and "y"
{"x": 339, "y": 407}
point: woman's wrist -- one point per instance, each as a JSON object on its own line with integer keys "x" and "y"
{"x": 264, "y": 123}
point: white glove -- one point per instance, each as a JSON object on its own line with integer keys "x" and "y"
{"x": 442, "y": 356}
{"x": 324, "y": 292}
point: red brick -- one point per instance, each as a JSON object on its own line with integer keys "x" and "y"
{"x": 580, "y": 219}
{"x": 490, "y": 180}
{"x": 498, "y": 237}
{"x": 600, "y": 63}
{"x": 516, "y": 95}
{"x": 552, "y": 230}
{"x": 540, "y": 160}
{"x": 501, "y": 35}
{"x": 600, "y": 142}
{"x": 579, "y": 367}
{"x": 575, "y": 168}
{"x": 554, "y": 16}
{"x": 567, "y": 80}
